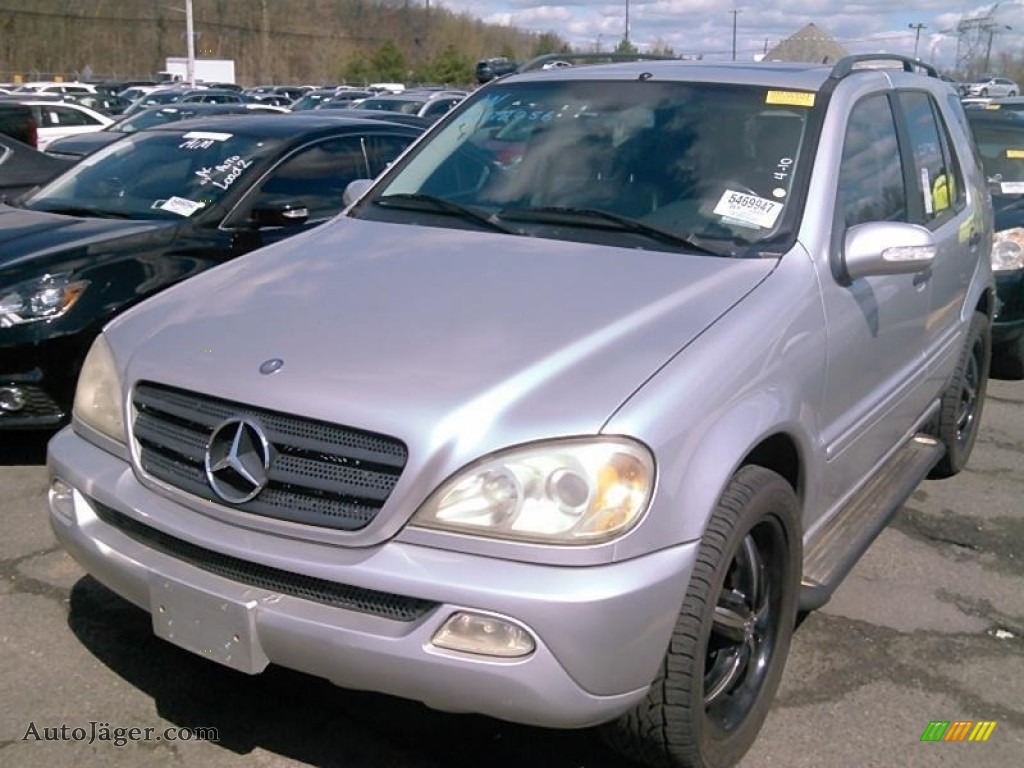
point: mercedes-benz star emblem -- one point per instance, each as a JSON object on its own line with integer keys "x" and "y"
{"x": 237, "y": 460}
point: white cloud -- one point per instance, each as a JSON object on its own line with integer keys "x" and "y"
{"x": 706, "y": 26}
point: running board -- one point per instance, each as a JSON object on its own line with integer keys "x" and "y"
{"x": 837, "y": 547}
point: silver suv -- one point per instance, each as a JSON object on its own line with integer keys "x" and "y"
{"x": 571, "y": 412}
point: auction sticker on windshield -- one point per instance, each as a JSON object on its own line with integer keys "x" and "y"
{"x": 180, "y": 205}
{"x": 748, "y": 209}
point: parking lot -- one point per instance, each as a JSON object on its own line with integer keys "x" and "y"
{"x": 929, "y": 626}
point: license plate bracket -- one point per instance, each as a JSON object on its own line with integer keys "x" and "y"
{"x": 212, "y": 626}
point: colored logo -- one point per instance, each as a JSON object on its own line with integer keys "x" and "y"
{"x": 958, "y": 730}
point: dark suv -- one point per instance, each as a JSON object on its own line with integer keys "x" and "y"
{"x": 488, "y": 69}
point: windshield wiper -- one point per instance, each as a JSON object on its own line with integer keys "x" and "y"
{"x": 81, "y": 210}
{"x": 420, "y": 201}
{"x": 605, "y": 220}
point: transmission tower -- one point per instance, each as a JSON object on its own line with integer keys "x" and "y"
{"x": 974, "y": 41}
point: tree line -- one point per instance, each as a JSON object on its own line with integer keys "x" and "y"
{"x": 270, "y": 41}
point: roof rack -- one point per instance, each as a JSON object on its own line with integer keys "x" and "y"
{"x": 589, "y": 58}
{"x": 847, "y": 64}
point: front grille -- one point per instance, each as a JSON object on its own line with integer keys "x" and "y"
{"x": 382, "y": 604}
{"x": 320, "y": 474}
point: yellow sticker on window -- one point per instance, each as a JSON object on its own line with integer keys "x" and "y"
{"x": 1016, "y": 154}
{"x": 790, "y": 98}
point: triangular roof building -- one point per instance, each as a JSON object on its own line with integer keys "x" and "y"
{"x": 810, "y": 44}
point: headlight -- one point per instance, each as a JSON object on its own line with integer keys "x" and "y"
{"x": 1008, "y": 250}
{"x": 578, "y": 491}
{"x": 42, "y": 298}
{"x": 98, "y": 395}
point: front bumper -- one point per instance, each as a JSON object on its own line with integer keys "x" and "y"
{"x": 600, "y": 631}
{"x": 41, "y": 376}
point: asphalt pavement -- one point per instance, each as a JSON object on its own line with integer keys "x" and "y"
{"x": 929, "y": 626}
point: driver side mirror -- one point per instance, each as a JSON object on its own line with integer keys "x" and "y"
{"x": 280, "y": 215}
{"x": 886, "y": 248}
{"x": 355, "y": 190}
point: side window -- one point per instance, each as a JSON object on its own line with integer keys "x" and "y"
{"x": 939, "y": 185}
{"x": 62, "y": 116}
{"x": 871, "y": 184}
{"x": 315, "y": 176}
{"x": 382, "y": 150}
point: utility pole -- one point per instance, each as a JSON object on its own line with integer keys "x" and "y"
{"x": 917, "y": 34}
{"x": 190, "y": 33}
{"x": 734, "y": 13}
{"x": 626, "y": 38}
{"x": 992, "y": 29}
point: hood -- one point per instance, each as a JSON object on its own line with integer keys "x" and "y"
{"x": 439, "y": 337}
{"x": 28, "y": 235}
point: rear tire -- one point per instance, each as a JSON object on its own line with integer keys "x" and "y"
{"x": 962, "y": 402}
{"x": 729, "y": 646}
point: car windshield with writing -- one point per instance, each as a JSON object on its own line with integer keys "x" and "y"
{"x": 665, "y": 167}
{"x": 156, "y": 175}
{"x": 1000, "y": 140}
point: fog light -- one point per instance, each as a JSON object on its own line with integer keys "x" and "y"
{"x": 62, "y": 499}
{"x": 484, "y": 635}
{"x": 11, "y": 399}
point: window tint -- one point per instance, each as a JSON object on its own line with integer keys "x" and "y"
{"x": 937, "y": 184}
{"x": 65, "y": 116}
{"x": 316, "y": 177}
{"x": 871, "y": 173}
{"x": 381, "y": 150}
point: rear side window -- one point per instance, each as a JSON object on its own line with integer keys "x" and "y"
{"x": 65, "y": 116}
{"x": 940, "y": 188}
{"x": 871, "y": 184}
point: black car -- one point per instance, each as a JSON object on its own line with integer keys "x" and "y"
{"x": 150, "y": 210}
{"x": 82, "y": 144}
{"x": 488, "y": 69}
{"x": 23, "y": 168}
{"x": 999, "y": 136}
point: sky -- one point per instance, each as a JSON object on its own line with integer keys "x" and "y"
{"x": 705, "y": 27}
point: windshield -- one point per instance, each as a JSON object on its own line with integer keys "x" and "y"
{"x": 147, "y": 118}
{"x": 156, "y": 175}
{"x": 407, "y": 106}
{"x": 689, "y": 160}
{"x": 1001, "y": 145}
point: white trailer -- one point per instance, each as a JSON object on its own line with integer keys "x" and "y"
{"x": 206, "y": 70}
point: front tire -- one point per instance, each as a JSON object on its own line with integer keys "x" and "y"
{"x": 732, "y": 635}
{"x": 961, "y": 405}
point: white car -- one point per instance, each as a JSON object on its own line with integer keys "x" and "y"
{"x": 52, "y": 86}
{"x": 56, "y": 119}
{"x": 993, "y": 86}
